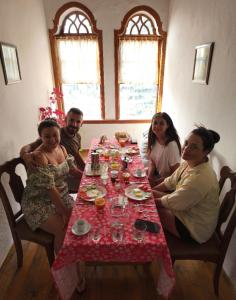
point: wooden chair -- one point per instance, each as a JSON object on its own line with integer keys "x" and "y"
{"x": 214, "y": 250}
{"x": 18, "y": 226}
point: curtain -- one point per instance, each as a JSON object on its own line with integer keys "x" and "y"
{"x": 79, "y": 60}
{"x": 138, "y": 61}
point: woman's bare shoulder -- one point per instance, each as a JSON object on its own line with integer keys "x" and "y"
{"x": 64, "y": 150}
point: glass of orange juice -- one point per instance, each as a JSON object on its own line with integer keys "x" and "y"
{"x": 106, "y": 155}
{"x": 100, "y": 204}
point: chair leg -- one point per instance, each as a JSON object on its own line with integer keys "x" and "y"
{"x": 172, "y": 260}
{"x": 50, "y": 254}
{"x": 216, "y": 278}
{"x": 19, "y": 250}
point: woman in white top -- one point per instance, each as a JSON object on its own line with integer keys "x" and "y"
{"x": 163, "y": 148}
{"x": 188, "y": 200}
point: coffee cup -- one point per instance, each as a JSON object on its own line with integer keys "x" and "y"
{"x": 139, "y": 172}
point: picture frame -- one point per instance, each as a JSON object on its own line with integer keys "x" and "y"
{"x": 202, "y": 63}
{"x": 10, "y": 63}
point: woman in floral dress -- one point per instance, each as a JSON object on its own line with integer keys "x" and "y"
{"x": 46, "y": 203}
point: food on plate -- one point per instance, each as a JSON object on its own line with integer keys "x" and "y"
{"x": 88, "y": 187}
{"x": 132, "y": 150}
{"x": 115, "y": 165}
{"x": 91, "y": 191}
{"x": 137, "y": 192}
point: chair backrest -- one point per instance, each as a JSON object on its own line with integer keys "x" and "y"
{"x": 226, "y": 208}
{"x": 16, "y": 186}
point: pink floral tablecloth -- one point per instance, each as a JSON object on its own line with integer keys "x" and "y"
{"x": 82, "y": 248}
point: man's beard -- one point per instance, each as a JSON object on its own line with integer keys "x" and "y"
{"x": 72, "y": 129}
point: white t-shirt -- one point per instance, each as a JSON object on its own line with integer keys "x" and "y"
{"x": 144, "y": 149}
{"x": 165, "y": 156}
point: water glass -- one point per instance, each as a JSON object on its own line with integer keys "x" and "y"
{"x": 139, "y": 232}
{"x": 104, "y": 178}
{"x": 117, "y": 231}
{"x": 117, "y": 210}
{"x": 95, "y": 233}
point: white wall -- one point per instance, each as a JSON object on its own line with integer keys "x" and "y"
{"x": 22, "y": 23}
{"x": 192, "y": 23}
{"x": 109, "y": 14}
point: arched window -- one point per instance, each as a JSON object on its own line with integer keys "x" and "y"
{"x": 139, "y": 64}
{"x": 76, "y": 46}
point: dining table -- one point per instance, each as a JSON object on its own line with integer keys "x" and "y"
{"x": 78, "y": 248}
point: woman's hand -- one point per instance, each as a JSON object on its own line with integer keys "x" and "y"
{"x": 29, "y": 160}
{"x": 61, "y": 209}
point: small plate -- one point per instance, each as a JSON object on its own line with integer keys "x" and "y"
{"x": 132, "y": 151}
{"x": 143, "y": 174}
{"x": 99, "y": 150}
{"x": 96, "y": 191}
{"x": 85, "y": 229}
{"x": 132, "y": 191}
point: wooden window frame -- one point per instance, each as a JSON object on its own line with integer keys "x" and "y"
{"x": 53, "y": 35}
{"x": 160, "y": 36}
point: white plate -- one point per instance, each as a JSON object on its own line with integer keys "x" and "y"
{"x": 94, "y": 193}
{"x": 143, "y": 174}
{"x": 85, "y": 229}
{"x": 131, "y": 151}
{"x": 100, "y": 150}
{"x": 130, "y": 193}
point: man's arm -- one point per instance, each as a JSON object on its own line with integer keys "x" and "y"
{"x": 79, "y": 161}
{"x": 26, "y": 153}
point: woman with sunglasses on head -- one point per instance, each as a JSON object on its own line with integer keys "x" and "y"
{"x": 188, "y": 200}
{"x": 164, "y": 148}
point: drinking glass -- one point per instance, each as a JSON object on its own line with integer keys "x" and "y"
{"x": 117, "y": 231}
{"x": 95, "y": 233}
{"x": 104, "y": 178}
{"x": 139, "y": 232}
{"x": 114, "y": 175}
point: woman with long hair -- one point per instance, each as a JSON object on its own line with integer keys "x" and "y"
{"x": 164, "y": 148}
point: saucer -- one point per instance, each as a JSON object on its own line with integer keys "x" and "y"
{"x": 143, "y": 174}
{"x": 80, "y": 230}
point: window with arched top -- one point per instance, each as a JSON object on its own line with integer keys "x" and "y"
{"x": 139, "y": 64}
{"x": 76, "y": 46}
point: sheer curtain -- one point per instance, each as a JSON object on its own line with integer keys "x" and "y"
{"x": 138, "y": 61}
{"x": 138, "y": 78}
{"x": 80, "y": 75}
{"x": 79, "y": 61}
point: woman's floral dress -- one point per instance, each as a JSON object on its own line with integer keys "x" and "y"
{"x": 36, "y": 203}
